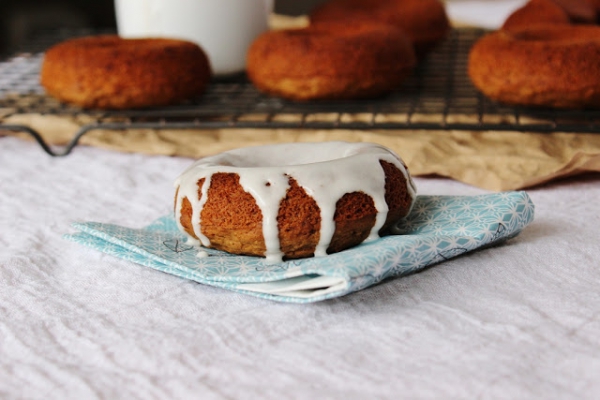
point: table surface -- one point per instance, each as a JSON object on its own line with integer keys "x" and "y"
{"x": 519, "y": 320}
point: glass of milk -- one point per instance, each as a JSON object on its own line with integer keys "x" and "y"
{"x": 223, "y": 28}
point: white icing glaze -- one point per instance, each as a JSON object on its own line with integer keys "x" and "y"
{"x": 326, "y": 171}
{"x": 202, "y": 254}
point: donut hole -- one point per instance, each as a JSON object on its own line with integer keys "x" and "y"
{"x": 309, "y": 32}
{"x": 354, "y": 27}
{"x": 566, "y": 34}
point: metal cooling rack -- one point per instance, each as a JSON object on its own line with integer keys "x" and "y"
{"x": 438, "y": 96}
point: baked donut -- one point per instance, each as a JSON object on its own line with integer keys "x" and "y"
{"x": 580, "y": 11}
{"x": 330, "y": 61}
{"x": 553, "y": 65}
{"x": 425, "y": 22}
{"x": 538, "y": 12}
{"x": 596, "y": 5}
{"x": 293, "y": 200}
{"x": 109, "y": 72}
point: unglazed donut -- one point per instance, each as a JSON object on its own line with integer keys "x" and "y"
{"x": 425, "y": 22}
{"x": 330, "y": 61}
{"x": 554, "y": 66}
{"x": 596, "y": 5}
{"x": 109, "y": 72}
{"x": 293, "y": 200}
{"x": 536, "y": 12}
{"x": 580, "y": 11}
{"x": 539, "y": 12}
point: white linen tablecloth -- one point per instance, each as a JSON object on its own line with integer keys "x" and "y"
{"x": 519, "y": 320}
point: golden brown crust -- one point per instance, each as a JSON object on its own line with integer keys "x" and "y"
{"x": 186, "y": 217}
{"x": 554, "y": 66}
{"x": 541, "y": 12}
{"x": 596, "y": 5}
{"x": 330, "y": 62}
{"x": 425, "y": 22}
{"x": 536, "y": 12}
{"x": 232, "y": 221}
{"x": 579, "y": 11}
{"x": 397, "y": 195}
{"x": 230, "y": 218}
{"x": 109, "y": 72}
{"x": 299, "y": 222}
{"x": 354, "y": 217}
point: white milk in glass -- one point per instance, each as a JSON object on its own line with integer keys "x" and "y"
{"x": 223, "y": 28}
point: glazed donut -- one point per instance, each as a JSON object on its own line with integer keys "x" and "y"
{"x": 538, "y": 12}
{"x": 552, "y": 66}
{"x": 330, "y": 61}
{"x": 293, "y": 200}
{"x": 425, "y": 22}
{"x": 113, "y": 73}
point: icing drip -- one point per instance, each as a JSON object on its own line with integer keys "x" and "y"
{"x": 326, "y": 171}
{"x": 202, "y": 254}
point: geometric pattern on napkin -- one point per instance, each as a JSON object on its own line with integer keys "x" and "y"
{"x": 437, "y": 229}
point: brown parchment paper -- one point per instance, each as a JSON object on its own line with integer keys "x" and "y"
{"x": 491, "y": 160}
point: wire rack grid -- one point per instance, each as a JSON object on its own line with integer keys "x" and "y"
{"x": 438, "y": 96}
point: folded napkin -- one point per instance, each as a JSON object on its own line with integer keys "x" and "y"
{"x": 437, "y": 229}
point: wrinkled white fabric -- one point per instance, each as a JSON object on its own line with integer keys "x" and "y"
{"x": 520, "y": 320}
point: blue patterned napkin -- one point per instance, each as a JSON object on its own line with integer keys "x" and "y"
{"x": 438, "y": 228}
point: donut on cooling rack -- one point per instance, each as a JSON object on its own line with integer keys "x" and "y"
{"x": 293, "y": 200}
{"x": 425, "y": 22}
{"x": 552, "y": 66}
{"x": 114, "y": 73}
{"x": 596, "y": 5}
{"x": 330, "y": 61}
{"x": 579, "y": 11}
{"x": 539, "y": 12}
